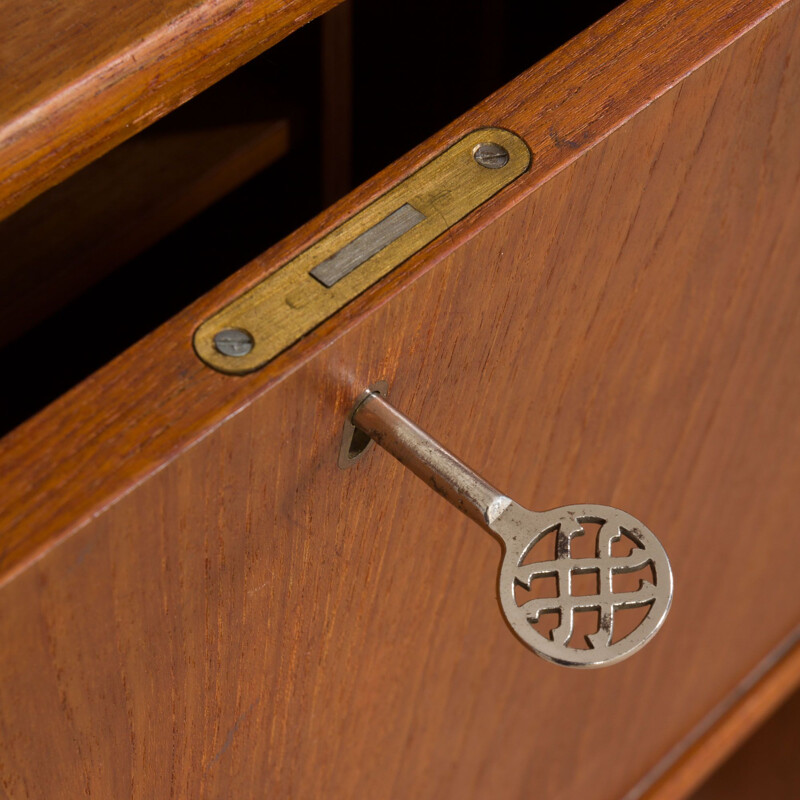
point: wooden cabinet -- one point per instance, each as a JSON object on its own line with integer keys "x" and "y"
{"x": 195, "y": 601}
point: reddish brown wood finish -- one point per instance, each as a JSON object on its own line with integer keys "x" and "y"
{"x": 77, "y": 77}
{"x": 227, "y": 614}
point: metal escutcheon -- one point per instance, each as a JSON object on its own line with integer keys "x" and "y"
{"x": 519, "y": 530}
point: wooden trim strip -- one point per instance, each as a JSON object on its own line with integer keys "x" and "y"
{"x": 697, "y": 756}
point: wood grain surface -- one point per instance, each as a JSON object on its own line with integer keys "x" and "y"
{"x": 200, "y": 604}
{"x": 77, "y": 77}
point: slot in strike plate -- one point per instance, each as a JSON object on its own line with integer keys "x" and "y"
{"x": 324, "y": 278}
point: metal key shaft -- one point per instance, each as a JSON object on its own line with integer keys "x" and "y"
{"x": 519, "y": 529}
{"x": 431, "y": 462}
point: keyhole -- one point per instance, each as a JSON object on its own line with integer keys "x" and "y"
{"x": 355, "y": 443}
{"x": 359, "y": 442}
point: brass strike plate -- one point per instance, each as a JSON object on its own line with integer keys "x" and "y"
{"x": 274, "y": 314}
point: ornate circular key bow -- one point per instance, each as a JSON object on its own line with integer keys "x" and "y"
{"x": 519, "y": 530}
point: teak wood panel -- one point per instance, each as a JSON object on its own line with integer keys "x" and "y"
{"x": 627, "y": 333}
{"x": 563, "y": 106}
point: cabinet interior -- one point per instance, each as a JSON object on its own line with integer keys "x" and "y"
{"x": 92, "y": 265}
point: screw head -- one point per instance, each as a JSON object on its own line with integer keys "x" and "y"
{"x": 490, "y": 155}
{"x": 234, "y": 342}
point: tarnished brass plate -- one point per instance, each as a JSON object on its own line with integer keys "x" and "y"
{"x": 291, "y": 302}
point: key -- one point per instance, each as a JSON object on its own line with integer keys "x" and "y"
{"x": 519, "y": 530}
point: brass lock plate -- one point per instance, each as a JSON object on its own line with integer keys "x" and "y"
{"x": 314, "y": 285}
